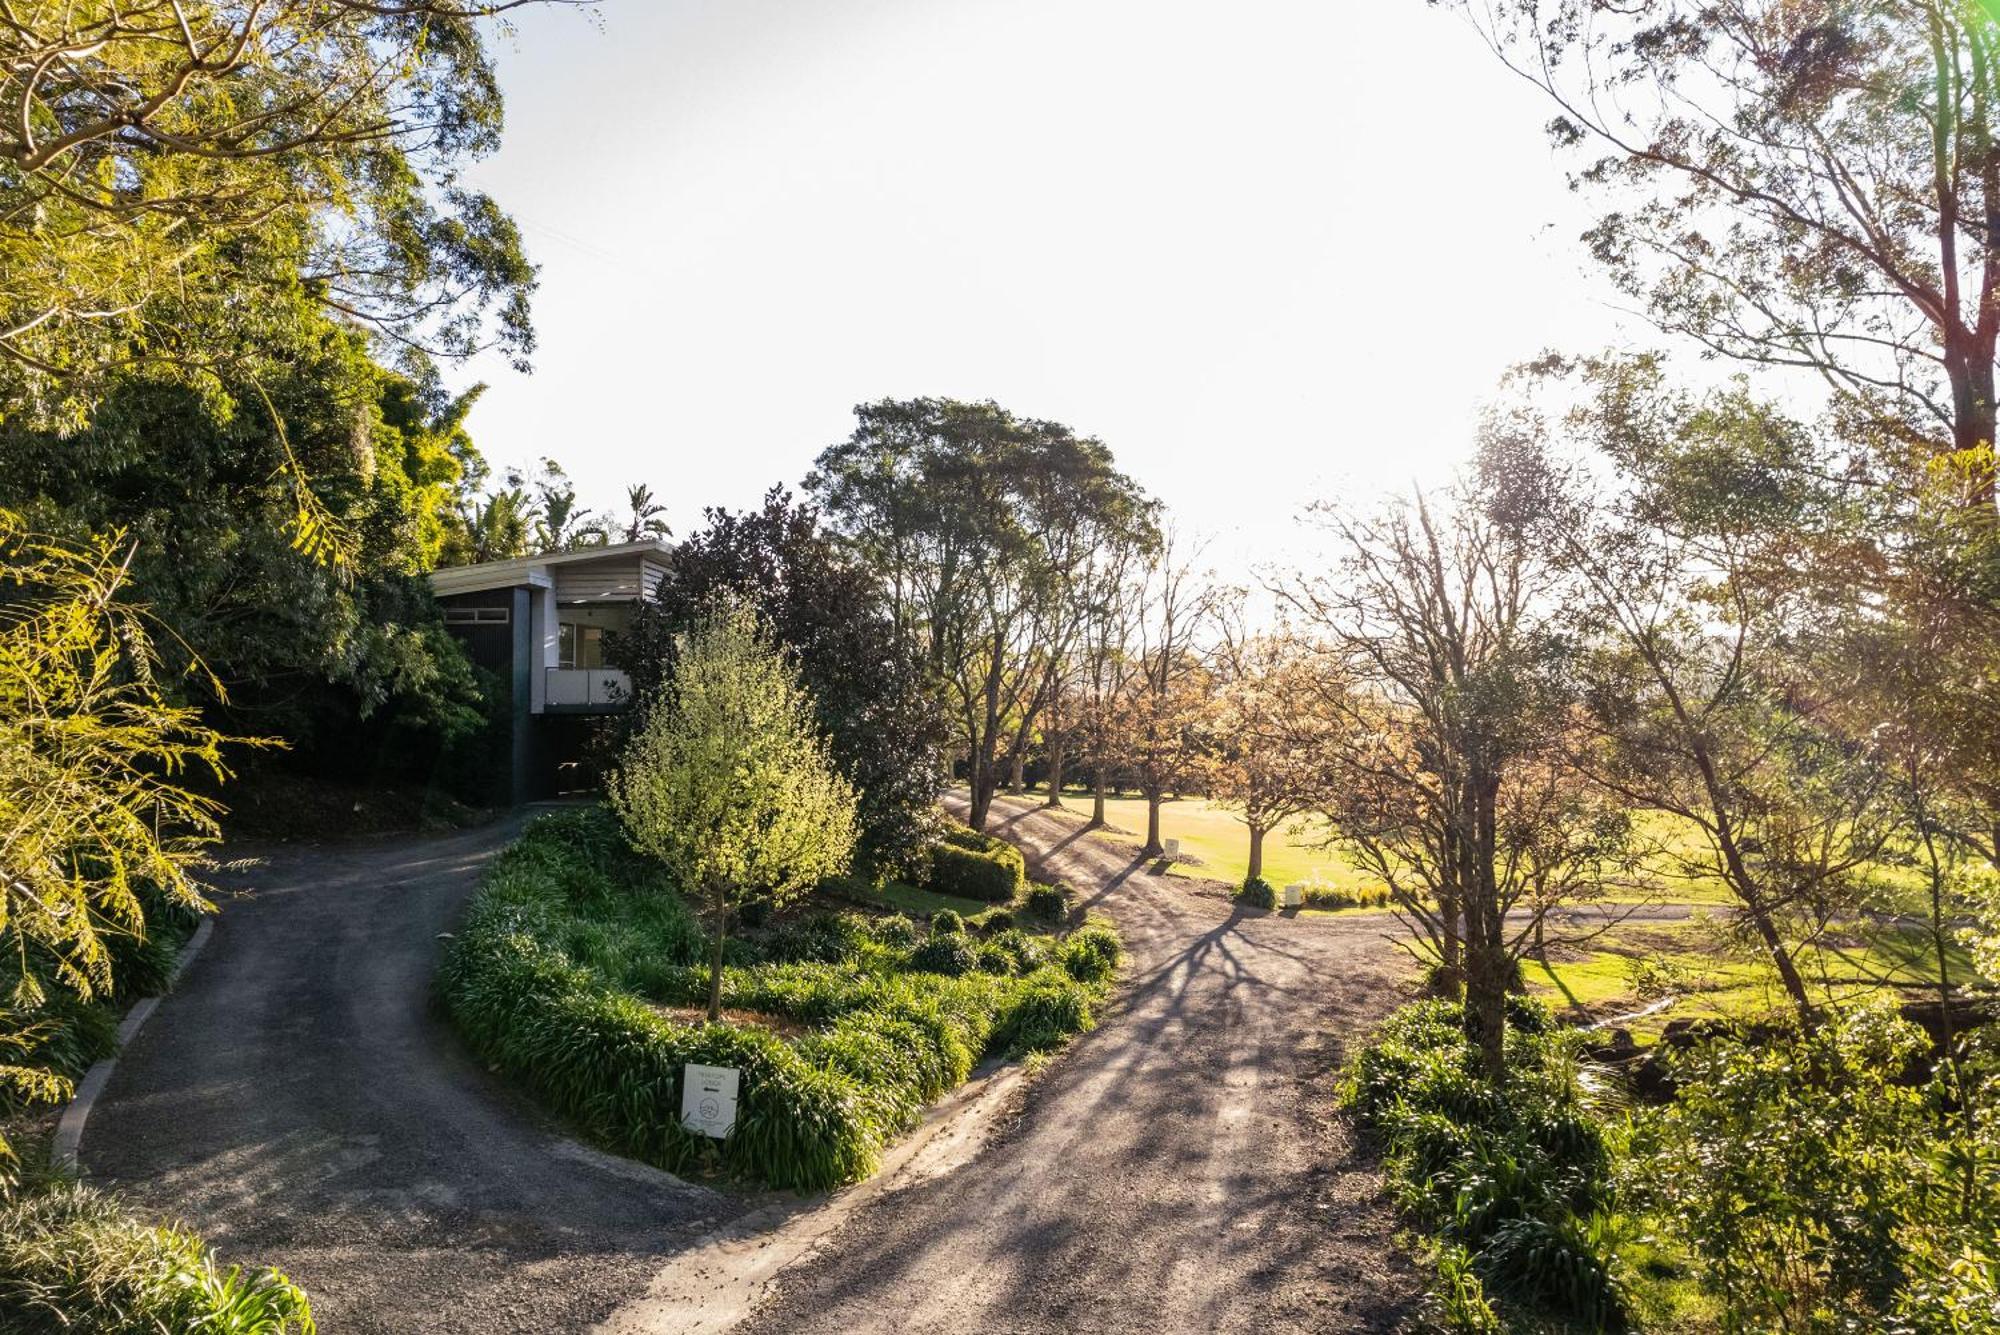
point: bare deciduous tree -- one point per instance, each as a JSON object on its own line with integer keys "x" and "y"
{"x": 1449, "y": 739}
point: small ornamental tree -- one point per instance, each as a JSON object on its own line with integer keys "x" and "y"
{"x": 729, "y": 783}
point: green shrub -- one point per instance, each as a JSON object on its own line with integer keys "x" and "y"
{"x": 895, "y": 930}
{"x": 550, "y": 976}
{"x": 976, "y": 866}
{"x": 1257, "y": 894}
{"x": 1837, "y": 1213}
{"x": 949, "y": 954}
{"x": 991, "y": 921}
{"x": 1091, "y": 954}
{"x": 65, "y": 1036}
{"x": 1050, "y": 903}
{"x": 1027, "y": 953}
{"x": 1345, "y": 897}
{"x": 72, "y": 1261}
{"x": 946, "y": 922}
{"x": 1514, "y": 1178}
{"x": 1045, "y": 1013}
{"x": 825, "y": 937}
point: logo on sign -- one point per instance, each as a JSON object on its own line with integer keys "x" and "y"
{"x": 708, "y": 1099}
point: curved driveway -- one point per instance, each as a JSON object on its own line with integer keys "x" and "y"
{"x": 1175, "y": 1170}
{"x": 297, "y": 1100}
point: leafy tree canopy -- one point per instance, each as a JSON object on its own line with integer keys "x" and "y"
{"x": 886, "y": 729}
{"x": 170, "y": 166}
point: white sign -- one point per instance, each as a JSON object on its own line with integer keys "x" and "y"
{"x": 1173, "y": 848}
{"x": 1295, "y": 896}
{"x": 708, "y": 1099}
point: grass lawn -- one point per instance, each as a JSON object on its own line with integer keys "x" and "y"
{"x": 899, "y": 898}
{"x": 1672, "y": 843}
{"x": 1702, "y": 970}
{"x": 1215, "y": 844}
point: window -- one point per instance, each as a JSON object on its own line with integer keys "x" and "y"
{"x": 579, "y": 646}
{"x": 467, "y": 616}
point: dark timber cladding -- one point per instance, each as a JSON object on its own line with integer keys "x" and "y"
{"x": 539, "y": 624}
{"x": 501, "y": 647}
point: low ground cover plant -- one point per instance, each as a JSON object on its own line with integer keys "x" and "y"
{"x": 1345, "y": 896}
{"x": 1830, "y": 1177}
{"x": 71, "y": 1260}
{"x": 578, "y": 960}
{"x": 1513, "y": 1181}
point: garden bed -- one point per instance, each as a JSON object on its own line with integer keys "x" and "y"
{"x": 574, "y": 945}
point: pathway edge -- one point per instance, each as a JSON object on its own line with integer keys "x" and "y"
{"x": 69, "y": 1130}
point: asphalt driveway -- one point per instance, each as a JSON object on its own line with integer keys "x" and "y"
{"x": 297, "y": 1101}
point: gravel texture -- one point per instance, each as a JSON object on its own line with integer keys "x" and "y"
{"x": 297, "y": 1101}
{"x": 1177, "y": 1169}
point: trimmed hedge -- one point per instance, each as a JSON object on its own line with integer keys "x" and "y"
{"x": 72, "y": 1261}
{"x": 976, "y": 866}
{"x": 571, "y": 937}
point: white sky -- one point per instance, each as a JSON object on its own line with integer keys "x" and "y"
{"x": 1267, "y": 251}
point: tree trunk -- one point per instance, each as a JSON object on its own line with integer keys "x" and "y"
{"x": 1097, "y": 798}
{"x": 1055, "y": 770}
{"x": 1788, "y": 970}
{"x": 1969, "y": 367}
{"x": 1256, "y": 853}
{"x": 1487, "y": 976}
{"x": 1153, "y": 846}
{"x": 1451, "y": 951}
{"x": 982, "y": 797}
{"x": 1017, "y": 765}
{"x": 721, "y": 908}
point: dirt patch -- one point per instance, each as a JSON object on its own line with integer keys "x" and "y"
{"x": 781, "y": 1025}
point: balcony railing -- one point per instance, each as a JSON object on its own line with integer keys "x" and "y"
{"x": 587, "y": 688}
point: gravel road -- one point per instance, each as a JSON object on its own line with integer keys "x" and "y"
{"x": 297, "y": 1101}
{"x": 1175, "y": 1170}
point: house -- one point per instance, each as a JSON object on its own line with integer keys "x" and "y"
{"x": 540, "y": 622}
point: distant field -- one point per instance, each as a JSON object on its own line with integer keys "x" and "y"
{"x": 1216, "y": 844}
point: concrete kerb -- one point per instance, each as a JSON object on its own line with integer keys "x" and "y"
{"x": 69, "y": 1130}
